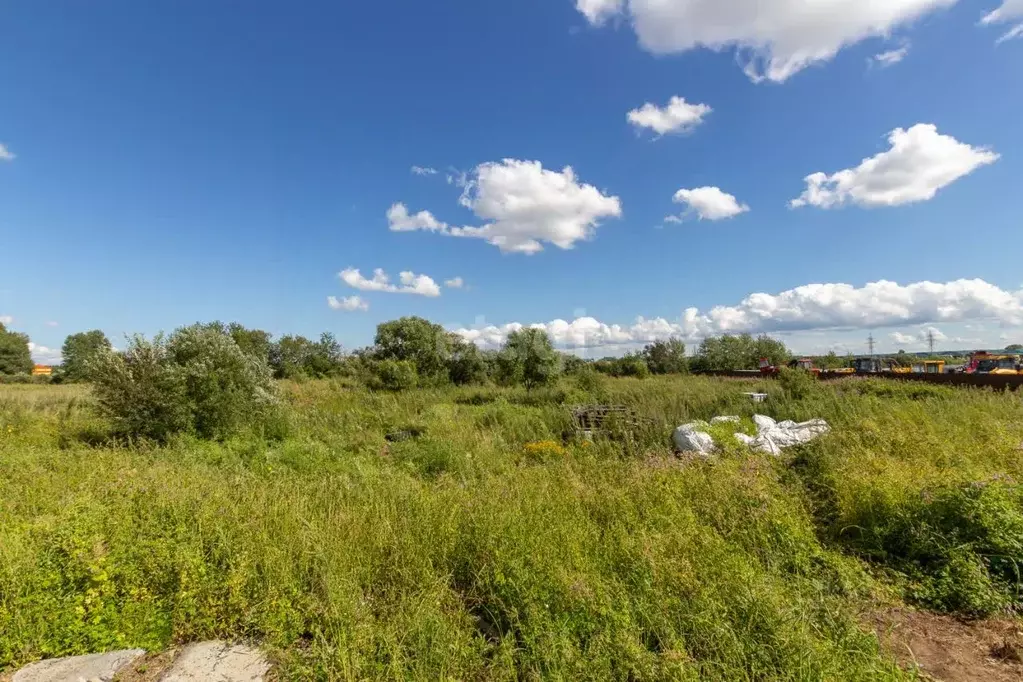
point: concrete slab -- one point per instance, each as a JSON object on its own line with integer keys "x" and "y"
{"x": 91, "y": 668}
{"x": 217, "y": 662}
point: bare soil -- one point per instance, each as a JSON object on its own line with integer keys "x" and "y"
{"x": 951, "y": 650}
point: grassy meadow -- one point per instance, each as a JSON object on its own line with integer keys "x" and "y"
{"x": 489, "y": 542}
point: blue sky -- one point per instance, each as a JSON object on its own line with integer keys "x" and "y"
{"x": 167, "y": 162}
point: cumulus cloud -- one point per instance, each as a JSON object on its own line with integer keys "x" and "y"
{"x": 43, "y": 355}
{"x": 891, "y": 57}
{"x": 399, "y": 220}
{"x": 454, "y": 283}
{"x": 522, "y": 205}
{"x": 52, "y": 324}
{"x": 775, "y": 38}
{"x": 920, "y": 162}
{"x": 1010, "y": 10}
{"x": 423, "y": 170}
{"x": 678, "y": 116}
{"x": 410, "y": 283}
{"x": 6, "y": 319}
{"x": 806, "y": 308}
{"x": 6, "y": 154}
{"x": 921, "y": 337}
{"x": 348, "y": 304}
{"x": 709, "y": 203}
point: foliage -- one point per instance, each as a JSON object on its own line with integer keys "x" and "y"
{"x": 467, "y": 364}
{"x": 739, "y": 352}
{"x": 254, "y": 342}
{"x": 528, "y": 358}
{"x": 425, "y": 344}
{"x": 292, "y": 357}
{"x": 798, "y": 383}
{"x": 830, "y": 361}
{"x": 666, "y": 357}
{"x": 462, "y": 552}
{"x": 198, "y": 380}
{"x": 395, "y": 375}
{"x": 15, "y": 357}
{"x": 1014, "y": 348}
{"x": 630, "y": 365}
{"x": 78, "y": 352}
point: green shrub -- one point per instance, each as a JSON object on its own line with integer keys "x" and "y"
{"x": 960, "y": 546}
{"x": 798, "y": 384}
{"x": 396, "y": 375}
{"x": 198, "y": 380}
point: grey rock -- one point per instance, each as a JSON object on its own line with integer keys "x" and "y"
{"x": 91, "y": 668}
{"x": 217, "y": 662}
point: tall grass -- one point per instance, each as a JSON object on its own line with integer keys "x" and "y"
{"x": 457, "y": 552}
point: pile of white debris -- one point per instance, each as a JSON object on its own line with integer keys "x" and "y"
{"x": 772, "y": 437}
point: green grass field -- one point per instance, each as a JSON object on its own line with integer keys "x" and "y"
{"x": 478, "y": 550}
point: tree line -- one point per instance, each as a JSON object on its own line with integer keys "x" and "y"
{"x": 411, "y": 352}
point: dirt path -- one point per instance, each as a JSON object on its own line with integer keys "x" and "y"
{"x": 951, "y": 650}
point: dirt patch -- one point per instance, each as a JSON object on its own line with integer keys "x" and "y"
{"x": 148, "y": 668}
{"x": 951, "y": 650}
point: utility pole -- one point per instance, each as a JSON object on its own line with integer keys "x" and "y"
{"x": 870, "y": 343}
{"x": 930, "y": 340}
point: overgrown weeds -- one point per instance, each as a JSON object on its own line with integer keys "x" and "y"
{"x": 486, "y": 545}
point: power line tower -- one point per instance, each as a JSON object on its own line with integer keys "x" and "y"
{"x": 930, "y": 340}
{"x": 870, "y": 343}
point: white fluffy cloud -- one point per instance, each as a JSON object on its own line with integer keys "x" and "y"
{"x": 709, "y": 203}
{"x": 454, "y": 283}
{"x": 920, "y": 162}
{"x": 891, "y": 57}
{"x": 43, "y": 355}
{"x": 423, "y": 170}
{"x": 399, "y": 220}
{"x": 52, "y": 324}
{"x": 6, "y": 319}
{"x": 678, "y": 116}
{"x": 811, "y": 307}
{"x": 411, "y": 283}
{"x": 6, "y": 154}
{"x": 920, "y": 338}
{"x": 1010, "y": 10}
{"x": 775, "y": 38}
{"x": 523, "y": 205}
{"x": 349, "y": 303}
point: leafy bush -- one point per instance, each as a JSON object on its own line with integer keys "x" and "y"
{"x": 529, "y": 358}
{"x": 395, "y": 375}
{"x": 961, "y": 546}
{"x": 198, "y": 380}
{"x": 798, "y": 384}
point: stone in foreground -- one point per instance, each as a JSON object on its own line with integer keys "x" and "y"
{"x": 91, "y": 668}
{"x": 217, "y": 662}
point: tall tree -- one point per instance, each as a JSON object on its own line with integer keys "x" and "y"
{"x": 421, "y": 342}
{"x": 15, "y": 356}
{"x": 529, "y": 358}
{"x": 666, "y": 357}
{"x": 466, "y": 364}
{"x": 79, "y": 350}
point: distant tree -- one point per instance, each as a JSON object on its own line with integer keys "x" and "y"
{"x": 296, "y": 356}
{"x": 1014, "y": 348}
{"x": 15, "y": 356}
{"x": 421, "y": 342}
{"x": 254, "y": 342}
{"x": 666, "y": 357}
{"x": 528, "y": 357}
{"x": 466, "y": 364}
{"x": 739, "y": 352}
{"x": 79, "y": 350}
{"x": 572, "y": 364}
{"x": 830, "y": 361}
